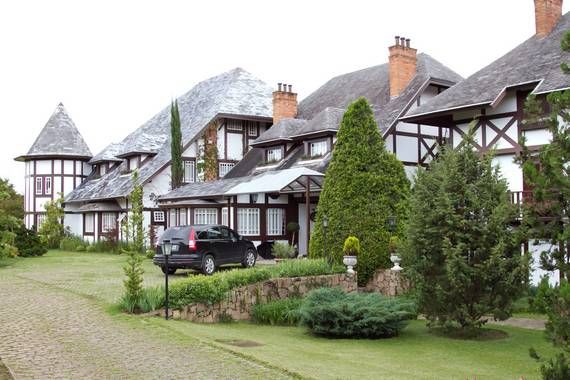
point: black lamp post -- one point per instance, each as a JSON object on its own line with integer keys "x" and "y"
{"x": 325, "y": 226}
{"x": 166, "y": 251}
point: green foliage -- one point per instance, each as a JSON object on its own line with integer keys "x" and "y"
{"x": 52, "y": 230}
{"x": 198, "y": 289}
{"x": 279, "y": 312}
{"x": 176, "y": 164}
{"x": 542, "y": 299}
{"x": 133, "y": 283}
{"x": 214, "y": 288}
{"x": 351, "y": 246}
{"x": 302, "y": 268}
{"x": 557, "y": 368}
{"x": 29, "y": 243}
{"x": 364, "y": 184}
{"x": 283, "y": 250}
{"x": 332, "y": 312}
{"x": 72, "y": 243}
{"x": 462, "y": 256}
{"x": 11, "y": 202}
{"x": 136, "y": 216}
{"x": 558, "y": 325}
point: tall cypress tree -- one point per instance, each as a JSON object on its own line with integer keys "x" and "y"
{"x": 364, "y": 185}
{"x": 177, "y": 169}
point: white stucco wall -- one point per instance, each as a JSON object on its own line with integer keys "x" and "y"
{"x": 511, "y": 171}
{"x": 535, "y": 249}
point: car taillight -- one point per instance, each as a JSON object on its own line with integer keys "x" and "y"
{"x": 192, "y": 240}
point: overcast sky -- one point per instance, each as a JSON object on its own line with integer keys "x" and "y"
{"x": 114, "y": 64}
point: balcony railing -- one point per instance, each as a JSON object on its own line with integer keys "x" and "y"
{"x": 520, "y": 197}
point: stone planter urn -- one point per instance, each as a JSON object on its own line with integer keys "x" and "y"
{"x": 396, "y": 260}
{"x": 350, "y": 262}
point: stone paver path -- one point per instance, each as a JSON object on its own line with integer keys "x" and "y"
{"x": 525, "y": 323}
{"x": 47, "y": 332}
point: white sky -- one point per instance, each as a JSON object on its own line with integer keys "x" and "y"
{"x": 114, "y": 64}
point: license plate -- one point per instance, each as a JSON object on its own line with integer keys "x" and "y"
{"x": 175, "y": 247}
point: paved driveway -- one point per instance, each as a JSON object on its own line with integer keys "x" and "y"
{"x": 49, "y": 331}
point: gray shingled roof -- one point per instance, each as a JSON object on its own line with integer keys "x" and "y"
{"x": 535, "y": 60}
{"x": 283, "y": 130}
{"x": 108, "y": 154}
{"x": 374, "y": 84}
{"x": 327, "y": 120}
{"x": 59, "y": 137}
{"x": 235, "y": 92}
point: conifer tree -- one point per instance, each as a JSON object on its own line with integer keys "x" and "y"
{"x": 364, "y": 185}
{"x": 176, "y": 165}
{"x": 462, "y": 255}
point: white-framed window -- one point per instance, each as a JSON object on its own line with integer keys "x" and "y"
{"x": 133, "y": 162}
{"x": 47, "y": 185}
{"x": 206, "y": 216}
{"x": 172, "y": 222}
{"x": 225, "y": 219}
{"x": 108, "y": 221}
{"x": 39, "y": 185}
{"x": 182, "y": 216}
{"x": 274, "y": 154}
{"x": 318, "y": 148}
{"x": 252, "y": 130}
{"x": 102, "y": 169}
{"x": 189, "y": 171}
{"x": 275, "y": 221}
{"x": 248, "y": 221}
{"x": 225, "y": 167}
{"x": 158, "y": 216}
{"x": 234, "y": 125}
{"x": 89, "y": 220}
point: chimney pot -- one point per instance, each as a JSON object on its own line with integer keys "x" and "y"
{"x": 403, "y": 41}
{"x": 290, "y": 88}
{"x": 397, "y": 40}
{"x": 279, "y": 86}
{"x": 407, "y": 42}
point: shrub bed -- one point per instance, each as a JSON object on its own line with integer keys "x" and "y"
{"x": 280, "y": 312}
{"x": 214, "y": 288}
{"x": 334, "y": 313}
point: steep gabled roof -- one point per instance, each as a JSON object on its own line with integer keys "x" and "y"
{"x": 535, "y": 61}
{"x": 58, "y": 138}
{"x": 373, "y": 83}
{"x": 234, "y": 93}
{"x": 109, "y": 153}
{"x": 281, "y": 131}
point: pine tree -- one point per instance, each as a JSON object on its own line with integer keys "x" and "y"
{"x": 364, "y": 185}
{"x": 549, "y": 175}
{"x": 52, "y": 230}
{"x": 136, "y": 218}
{"x": 462, "y": 256}
{"x": 176, "y": 165}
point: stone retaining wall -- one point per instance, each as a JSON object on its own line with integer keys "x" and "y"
{"x": 239, "y": 303}
{"x": 387, "y": 282}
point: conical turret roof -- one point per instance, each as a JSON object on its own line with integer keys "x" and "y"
{"x": 59, "y": 137}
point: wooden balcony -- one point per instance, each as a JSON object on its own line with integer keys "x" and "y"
{"x": 522, "y": 198}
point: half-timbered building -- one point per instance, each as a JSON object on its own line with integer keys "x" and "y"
{"x": 279, "y": 179}
{"x": 492, "y": 100}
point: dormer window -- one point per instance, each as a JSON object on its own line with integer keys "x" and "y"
{"x": 274, "y": 154}
{"x": 134, "y": 162}
{"x": 318, "y": 148}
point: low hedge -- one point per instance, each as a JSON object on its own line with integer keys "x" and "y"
{"x": 213, "y": 289}
{"x": 333, "y": 313}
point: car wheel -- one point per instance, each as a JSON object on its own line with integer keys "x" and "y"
{"x": 208, "y": 265}
{"x": 249, "y": 259}
{"x": 170, "y": 270}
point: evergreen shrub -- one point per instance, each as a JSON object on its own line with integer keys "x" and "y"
{"x": 333, "y": 313}
{"x": 29, "y": 243}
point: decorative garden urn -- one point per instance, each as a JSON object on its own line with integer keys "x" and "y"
{"x": 350, "y": 262}
{"x": 396, "y": 260}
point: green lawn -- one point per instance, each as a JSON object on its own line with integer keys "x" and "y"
{"x": 416, "y": 354}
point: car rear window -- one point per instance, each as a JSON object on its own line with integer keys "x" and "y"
{"x": 176, "y": 233}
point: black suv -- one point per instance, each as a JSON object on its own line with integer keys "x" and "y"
{"x": 204, "y": 247}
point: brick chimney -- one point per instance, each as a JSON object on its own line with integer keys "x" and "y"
{"x": 284, "y": 102}
{"x": 546, "y": 15}
{"x": 402, "y": 62}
